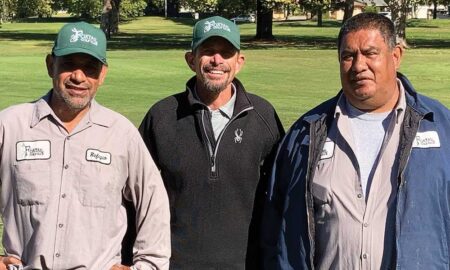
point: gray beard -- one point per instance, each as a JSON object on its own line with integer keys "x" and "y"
{"x": 215, "y": 88}
{"x": 74, "y": 106}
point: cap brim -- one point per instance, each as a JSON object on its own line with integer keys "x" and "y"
{"x": 199, "y": 42}
{"x": 67, "y": 51}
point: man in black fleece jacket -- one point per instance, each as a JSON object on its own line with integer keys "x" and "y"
{"x": 214, "y": 145}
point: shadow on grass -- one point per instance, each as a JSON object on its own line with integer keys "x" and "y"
{"x": 161, "y": 41}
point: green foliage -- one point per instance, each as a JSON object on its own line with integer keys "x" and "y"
{"x": 88, "y": 9}
{"x": 25, "y": 8}
{"x": 132, "y": 8}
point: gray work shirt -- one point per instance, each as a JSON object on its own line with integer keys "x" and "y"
{"x": 61, "y": 194}
{"x": 350, "y": 232}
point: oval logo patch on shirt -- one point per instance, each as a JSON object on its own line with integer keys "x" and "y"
{"x": 98, "y": 156}
{"x": 427, "y": 139}
{"x": 32, "y": 150}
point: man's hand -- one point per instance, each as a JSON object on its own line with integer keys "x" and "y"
{"x": 5, "y": 261}
{"x": 117, "y": 267}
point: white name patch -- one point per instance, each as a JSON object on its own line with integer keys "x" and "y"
{"x": 328, "y": 150}
{"x": 32, "y": 150}
{"x": 98, "y": 156}
{"x": 427, "y": 139}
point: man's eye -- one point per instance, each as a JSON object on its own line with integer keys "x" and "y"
{"x": 346, "y": 57}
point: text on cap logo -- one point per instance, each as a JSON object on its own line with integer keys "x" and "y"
{"x": 79, "y": 35}
{"x": 213, "y": 25}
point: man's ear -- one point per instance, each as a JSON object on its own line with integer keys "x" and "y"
{"x": 240, "y": 62}
{"x": 397, "y": 54}
{"x": 102, "y": 76}
{"x": 50, "y": 61}
{"x": 189, "y": 57}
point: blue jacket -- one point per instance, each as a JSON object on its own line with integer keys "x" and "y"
{"x": 423, "y": 195}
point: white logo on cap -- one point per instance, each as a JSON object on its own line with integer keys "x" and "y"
{"x": 213, "y": 25}
{"x": 79, "y": 35}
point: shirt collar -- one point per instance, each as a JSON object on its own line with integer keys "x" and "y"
{"x": 398, "y": 111}
{"x": 227, "y": 108}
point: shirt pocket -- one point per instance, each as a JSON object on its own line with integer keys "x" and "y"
{"x": 97, "y": 185}
{"x": 33, "y": 182}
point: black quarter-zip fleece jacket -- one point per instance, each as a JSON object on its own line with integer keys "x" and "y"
{"x": 212, "y": 184}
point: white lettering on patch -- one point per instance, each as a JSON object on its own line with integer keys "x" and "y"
{"x": 427, "y": 139}
{"x": 328, "y": 150}
{"x": 98, "y": 156}
{"x": 32, "y": 150}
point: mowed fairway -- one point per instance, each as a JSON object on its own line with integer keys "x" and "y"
{"x": 146, "y": 63}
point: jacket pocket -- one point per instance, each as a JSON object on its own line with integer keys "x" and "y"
{"x": 96, "y": 184}
{"x": 33, "y": 181}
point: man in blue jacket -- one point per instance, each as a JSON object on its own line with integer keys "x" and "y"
{"x": 363, "y": 180}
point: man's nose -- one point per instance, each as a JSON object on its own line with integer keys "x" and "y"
{"x": 359, "y": 63}
{"x": 78, "y": 75}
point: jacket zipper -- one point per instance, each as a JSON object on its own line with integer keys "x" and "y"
{"x": 213, "y": 152}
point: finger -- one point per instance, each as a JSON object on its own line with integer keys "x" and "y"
{"x": 11, "y": 260}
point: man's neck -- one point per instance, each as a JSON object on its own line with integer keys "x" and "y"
{"x": 215, "y": 100}
{"x": 68, "y": 116}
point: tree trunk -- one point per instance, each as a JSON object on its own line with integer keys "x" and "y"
{"x": 264, "y": 17}
{"x": 172, "y": 8}
{"x": 110, "y": 17}
{"x": 319, "y": 13}
{"x": 399, "y": 9}
{"x": 435, "y": 4}
{"x": 348, "y": 10}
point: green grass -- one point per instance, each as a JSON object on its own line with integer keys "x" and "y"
{"x": 294, "y": 72}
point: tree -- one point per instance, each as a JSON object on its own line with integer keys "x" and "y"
{"x": 114, "y": 10}
{"x": 399, "y": 10}
{"x": 264, "y": 16}
{"x": 348, "y": 9}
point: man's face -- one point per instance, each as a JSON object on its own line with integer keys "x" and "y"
{"x": 216, "y": 62}
{"x": 368, "y": 70}
{"x": 76, "y": 78}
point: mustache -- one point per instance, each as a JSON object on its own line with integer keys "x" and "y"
{"x": 72, "y": 85}
{"x": 220, "y": 67}
{"x": 357, "y": 77}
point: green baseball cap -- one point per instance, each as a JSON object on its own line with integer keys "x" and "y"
{"x": 215, "y": 27}
{"x": 81, "y": 37}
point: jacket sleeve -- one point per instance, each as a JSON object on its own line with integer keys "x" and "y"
{"x": 145, "y": 189}
{"x": 284, "y": 231}
{"x": 276, "y": 130}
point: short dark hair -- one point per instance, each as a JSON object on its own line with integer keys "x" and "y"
{"x": 369, "y": 21}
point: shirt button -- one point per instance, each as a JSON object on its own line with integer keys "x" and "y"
{"x": 57, "y": 255}
{"x": 365, "y": 256}
{"x": 359, "y": 196}
{"x": 66, "y": 166}
{"x": 68, "y": 138}
{"x": 366, "y": 224}
{"x": 60, "y": 225}
{"x": 63, "y": 195}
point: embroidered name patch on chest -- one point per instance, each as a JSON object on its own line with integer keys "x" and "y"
{"x": 32, "y": 150}
{"x": 328, "y": 150}
{"x": 427, "y": 139}
{"x": 95, "y": 155}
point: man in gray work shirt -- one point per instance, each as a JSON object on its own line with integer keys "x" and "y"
{"x": 68, "y": 164}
